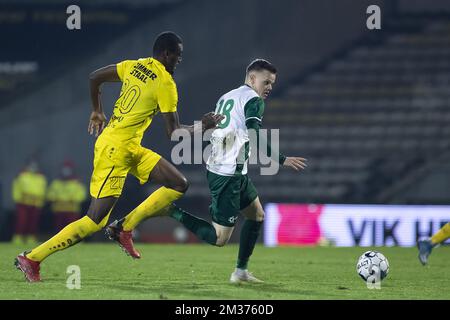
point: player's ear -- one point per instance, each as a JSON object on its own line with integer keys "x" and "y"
{"x": 252, "y": 78}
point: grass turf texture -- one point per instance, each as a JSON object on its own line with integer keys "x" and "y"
{"x": 202, "y": 272}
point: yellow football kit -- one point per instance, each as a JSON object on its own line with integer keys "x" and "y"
{"x": 146, "y": 90}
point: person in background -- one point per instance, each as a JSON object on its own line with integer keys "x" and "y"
{"x": 28, "y": 191}
{"x": 66, "y": 195}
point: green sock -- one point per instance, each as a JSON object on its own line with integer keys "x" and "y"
{"x": 201, "y": 228}
{"x": 249, "y": 235}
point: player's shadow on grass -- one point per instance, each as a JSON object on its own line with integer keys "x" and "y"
{"x": 171, "y": 291}
{"x": 273, "y": 288}
{"x": 229, "y": 291}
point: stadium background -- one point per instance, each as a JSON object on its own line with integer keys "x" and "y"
{"x": 368, "y": 108}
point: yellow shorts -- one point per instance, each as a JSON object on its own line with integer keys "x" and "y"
{"x": 113, "y": 161}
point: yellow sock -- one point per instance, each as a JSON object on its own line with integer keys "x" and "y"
{"x": 442, "y": 235}
{"x": 70, "y": 235}
{"x": 158, "y": 200}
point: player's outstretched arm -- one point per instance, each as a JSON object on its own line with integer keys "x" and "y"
{"x": 295, "y": 163}
{"x": 97, "y": 119}
{"x": 172, "y": 121}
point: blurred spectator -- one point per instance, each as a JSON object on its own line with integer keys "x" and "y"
{"x": 66, "y": 195}
{"x": 29, "y": 189}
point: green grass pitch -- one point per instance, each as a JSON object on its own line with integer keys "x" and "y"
{"x": 201, "y": 272}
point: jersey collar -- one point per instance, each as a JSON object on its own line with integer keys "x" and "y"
{"x": 246, "y": 85}
{"x": 159, "y": 64}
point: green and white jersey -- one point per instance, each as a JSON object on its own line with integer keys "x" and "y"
{"x": 230, "y": 142}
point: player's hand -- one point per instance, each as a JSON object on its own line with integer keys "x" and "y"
{"x": 295, "y": 163}
{"x": 211, "y": 120}
{"x": 96, "y": 123}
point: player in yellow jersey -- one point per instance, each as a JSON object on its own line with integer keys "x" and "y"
{"x": 147, "y": 89}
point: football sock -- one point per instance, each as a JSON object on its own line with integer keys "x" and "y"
{"x": 249, "y": 234}
{"x": 158, "y": 200}
{"x": 201, "y": 228}
{"x": 442, "y": 235}
{"x": 70, "y": 235}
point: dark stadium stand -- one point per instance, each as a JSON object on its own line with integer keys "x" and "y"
{"x": 380, "y": 111}
{"x": 31, "y": 56}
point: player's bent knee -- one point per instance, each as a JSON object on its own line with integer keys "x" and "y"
{"x": 100, "y": 209}
{"x": 223, "y": 234}
{"x": 222, "y": 239}
{"x": 94, "y": 217}
{"x": 181, "y": 185}
{"x": 259, "y": 217}
{"x": 221, "y": 242}
{"x": 97, "y": 221}
{"x": 184, "y": 185}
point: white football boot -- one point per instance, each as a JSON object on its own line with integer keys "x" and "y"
{"x": 240, "y": 275}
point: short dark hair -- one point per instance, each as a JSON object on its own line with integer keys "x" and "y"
{"x": 167, "y": 40}
{"x": 261, "y": 64}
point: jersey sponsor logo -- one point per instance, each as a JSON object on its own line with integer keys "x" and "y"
{"x": 116, "y": 182}
{"x": 232, "y": 219}
{"x": 141, "y": 73}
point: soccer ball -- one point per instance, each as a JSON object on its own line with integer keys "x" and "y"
{"x": 372, "y": 265}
